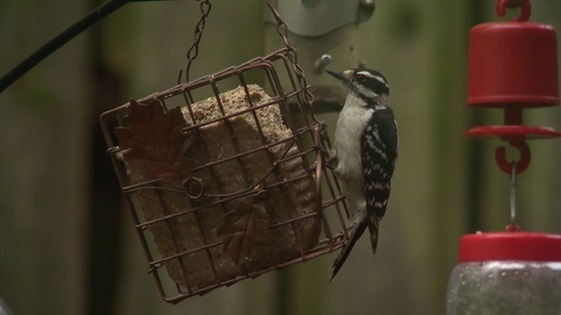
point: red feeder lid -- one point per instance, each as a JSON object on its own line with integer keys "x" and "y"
{"x": 525, "y": 246}
{"x": 512, "y": 63}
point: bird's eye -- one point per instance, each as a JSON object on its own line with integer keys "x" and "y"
{"x": 360, "y": 78}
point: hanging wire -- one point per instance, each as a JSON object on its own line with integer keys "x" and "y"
{"x": 193, "y": 51}
{"x": 513, "y": 227}
{"x": 282, "y": 30}
{"x": 513, "y": 195}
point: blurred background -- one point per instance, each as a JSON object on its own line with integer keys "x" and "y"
{"x": 68, "y": 246}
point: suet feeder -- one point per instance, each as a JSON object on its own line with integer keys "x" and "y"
{"x": 225, "y": 178}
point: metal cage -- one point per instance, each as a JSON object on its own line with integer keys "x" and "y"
{"x": 284, "y": 177}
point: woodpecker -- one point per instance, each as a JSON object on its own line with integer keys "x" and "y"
{"x": 366, "y": 147}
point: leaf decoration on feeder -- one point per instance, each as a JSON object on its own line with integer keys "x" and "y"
{"x": 155, "y": 141}
{"x": 245, "y": 230}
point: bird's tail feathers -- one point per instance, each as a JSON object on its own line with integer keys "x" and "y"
{"x": 340, "y": 260}
{"x": 373, "y": 229}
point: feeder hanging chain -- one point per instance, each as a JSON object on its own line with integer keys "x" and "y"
{"x": 193, "y": 51}
{"x": 282, "y": 30}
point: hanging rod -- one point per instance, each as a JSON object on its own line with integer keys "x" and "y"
{"x": 64, "y": 37}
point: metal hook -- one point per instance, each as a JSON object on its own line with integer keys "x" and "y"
{"x": 524, "y": 5}
{"x": 521, "y": 165}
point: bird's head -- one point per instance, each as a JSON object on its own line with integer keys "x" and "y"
{"x": 368, "y": 85}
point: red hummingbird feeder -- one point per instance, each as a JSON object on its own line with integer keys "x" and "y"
{"x": 512, "y": 66}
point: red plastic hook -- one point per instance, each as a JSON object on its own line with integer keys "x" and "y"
{"x": 523, "y": 4}
{"x": 521, "y": 165}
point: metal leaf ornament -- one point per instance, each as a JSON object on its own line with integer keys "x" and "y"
{"x": 245, "y": 230}
{"x": 155, "y": 141}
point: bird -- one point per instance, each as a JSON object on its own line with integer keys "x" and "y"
{"x": 364, "y": 153}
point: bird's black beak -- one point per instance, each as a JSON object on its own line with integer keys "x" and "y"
{"x": 343, "y": 76}
{"x": 337, "y": 75}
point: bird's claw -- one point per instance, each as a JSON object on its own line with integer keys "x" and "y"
{"x": 329, "y": 157}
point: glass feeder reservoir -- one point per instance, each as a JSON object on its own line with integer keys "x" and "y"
{"x": 506, "y": 273}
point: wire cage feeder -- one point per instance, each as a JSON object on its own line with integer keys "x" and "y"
{"x": 226, "y": 179}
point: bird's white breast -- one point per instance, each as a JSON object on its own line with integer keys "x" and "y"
{"x": 350, "y": 126}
